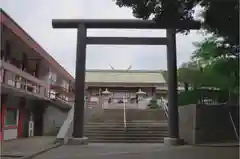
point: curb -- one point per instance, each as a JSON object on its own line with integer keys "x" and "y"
{"x": 41, "y": 151}
{"x": 217, "y": 145}
{"x": 11, "y": 156}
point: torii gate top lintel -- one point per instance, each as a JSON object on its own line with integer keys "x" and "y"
{"x": 125, "y": 24}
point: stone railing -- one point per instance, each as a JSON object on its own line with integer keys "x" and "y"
{"x": 66, "y": 129}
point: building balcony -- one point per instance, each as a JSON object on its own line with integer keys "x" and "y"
{"x": 17, "y": 82}
{"x": 13, "y": 77}
{"x": 57, "y": 92}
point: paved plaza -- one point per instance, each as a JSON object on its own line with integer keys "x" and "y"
{"x": 25, "y": 146}
{"x": 140, "y": 151}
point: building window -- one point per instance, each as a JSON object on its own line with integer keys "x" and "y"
{"x": 2, "y": 75}
{"x": 52, "y": 94}
{"x": 11, "y": 117}
{"x": 65, "y": 84}
{"x": 53, "y": 77}
{"x": 8, "y": 50}
{"x": 10, "y": 77}
{"x": 2, "y": 54}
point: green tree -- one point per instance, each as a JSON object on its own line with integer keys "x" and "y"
{"x": 221, "y": 65}
{"x": 188, "y": 74}
{"x": 216, "y": 58}
{"x": 220, "y": 17}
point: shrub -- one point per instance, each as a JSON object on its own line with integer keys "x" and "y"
{"x": 153, "y": 104}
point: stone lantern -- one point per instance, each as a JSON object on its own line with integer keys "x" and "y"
{"x": 141, "y": 103}
{"x": 106, "y": 98}
{"x": 140, "y": 92}
{"x": 106, "y": 92}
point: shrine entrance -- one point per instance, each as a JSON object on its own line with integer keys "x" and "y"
{"x": 82, "y": 41}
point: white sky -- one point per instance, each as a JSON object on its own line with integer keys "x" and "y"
{"x": 35, "y": 17}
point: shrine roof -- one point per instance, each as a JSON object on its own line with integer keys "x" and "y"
{"x": 124, "y": 76}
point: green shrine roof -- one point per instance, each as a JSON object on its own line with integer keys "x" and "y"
{"x": 124, "y": 76}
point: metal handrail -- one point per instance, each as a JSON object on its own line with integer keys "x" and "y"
{"x": 233, "y": 124}
{"x": 165, "y": 107}
{"x": 124, "y": 112}
{"x": 166, "y": 110}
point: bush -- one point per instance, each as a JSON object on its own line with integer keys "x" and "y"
{"x": 153, "y": 104}
{"x": 195, "y": 96}
{"x": 189, "y": 97}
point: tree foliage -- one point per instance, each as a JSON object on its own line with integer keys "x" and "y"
{"x": 214, "y": 48}
{"x": 217, "y": 56}
{"x": 213, "y": 65}
{"x": 220, "y": 17}
{"x": 215, "y": 62}
{"x": 190, "y": 74}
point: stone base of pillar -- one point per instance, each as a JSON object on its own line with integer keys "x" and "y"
{"x": 173, "y": 141}
{"x": 77, "y": 141}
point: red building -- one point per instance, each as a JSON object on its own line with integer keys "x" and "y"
{"x": 33, "y": 84}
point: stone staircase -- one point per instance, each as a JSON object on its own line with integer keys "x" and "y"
{"x": 107, "y": 126}
{"x": 143, "y": 126}
{"x": 131, "y": 115}
{"x": 135, "y": 132}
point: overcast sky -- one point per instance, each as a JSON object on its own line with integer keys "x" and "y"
{"x": 35, "y": 17}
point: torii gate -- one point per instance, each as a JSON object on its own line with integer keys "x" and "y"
{"x": 82, "y": 41}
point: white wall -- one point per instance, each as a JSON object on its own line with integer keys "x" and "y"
{"x": 53, "y": 120}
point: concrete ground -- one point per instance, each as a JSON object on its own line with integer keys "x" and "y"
{"x": 140, "y": 151}
{"x": 25, "y": 146}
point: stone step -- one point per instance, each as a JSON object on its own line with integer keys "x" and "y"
{"x": 131, "y": 114}
{"x": 127, "y": 135}
{"x": 126, "y": 129}
{"x": 126, "y": 132}
{"x": 128, "y": 123}
{"x": 130, "y": 132}
{"x": 146, "y": 134}
{"x": 133, "y": 130}
{"x": 137, "y": 131}
{"x": 127, "y": 141}
{"x": 124, "y": 138}
{"x": 132, "y": 121}
{"x": 136, "y": 120}
{"x": 127, "y": 126}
